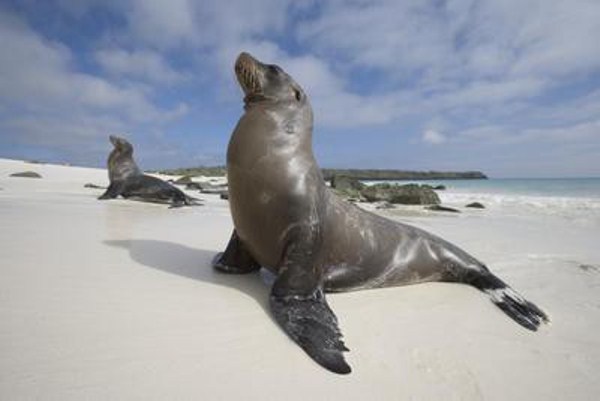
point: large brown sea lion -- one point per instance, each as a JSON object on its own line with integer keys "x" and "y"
{"x": 287, "y": 221}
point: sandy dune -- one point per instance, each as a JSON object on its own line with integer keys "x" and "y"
{"x": 117, "y": 300}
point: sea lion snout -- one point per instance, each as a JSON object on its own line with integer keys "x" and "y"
{"x": 248, "y": 72}
{"x": 119, "y": 142}
{"x": 244, "y": 57}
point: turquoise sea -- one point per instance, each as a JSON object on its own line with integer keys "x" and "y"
{"x": 588, "y": 188}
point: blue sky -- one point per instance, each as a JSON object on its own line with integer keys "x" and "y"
{"x": 509, "y": 87}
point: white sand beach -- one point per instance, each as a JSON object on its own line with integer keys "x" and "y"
{"x": 116, "y": 300}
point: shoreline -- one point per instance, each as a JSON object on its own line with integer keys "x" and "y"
{"x": 358, "y": 174}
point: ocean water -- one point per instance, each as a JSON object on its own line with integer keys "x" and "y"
{"x": 538, "y": 187}
{"x": 568, "y": 197}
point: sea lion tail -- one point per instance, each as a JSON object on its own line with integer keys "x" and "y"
{"x": 185, "y": 201}
{"x": 190, "y": 201}
{"x": 511, "y": 302}
{"x": 180, "y": 199}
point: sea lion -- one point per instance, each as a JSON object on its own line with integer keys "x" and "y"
{"x": 288, "y": 221}
{"x": 127, "y": 180}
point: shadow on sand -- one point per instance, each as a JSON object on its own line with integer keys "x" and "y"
{"x": 195, "y": 264}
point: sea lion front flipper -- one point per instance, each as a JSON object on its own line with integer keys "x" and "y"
{"x": 113, "y": 190}
{"x": 299, "y": 306}
{"x": 236, "y": 259}
{"x": 313, "y": 326}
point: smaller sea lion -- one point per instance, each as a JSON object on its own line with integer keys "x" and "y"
{"x": 127, "y": 180}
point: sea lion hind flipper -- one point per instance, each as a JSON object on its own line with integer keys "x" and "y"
{"x": 178, "y": 197}
{"x": 313, "y": 326}
{"x": 236, "y": 259}
{"x": 184, "y": 200}
{"x": 191, "y": 201}
{"x": 526, "y": 313}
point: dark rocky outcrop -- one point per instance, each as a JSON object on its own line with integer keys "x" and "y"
{"x": 385, "y": 205}
{"x": 194, "y": 186}
{"x": 205, "y": 187}
{"x": 475, "y": 205}
{"x": 410, "y": 194}
{"x": 224, "y": 195}
{"x": 215, "y": 190}
{"x": 440, "y": 208}
{"x": 588, "y": 267}
{"x": 185, "y": 180}
{"x": 435, "y": 187}
{"x": 347, "y": 186}
{"x": 26, "y": 174}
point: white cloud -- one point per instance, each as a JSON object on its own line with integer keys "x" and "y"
{"x": 458, "y": 55}
{"x": 433, "y": 137}
{"x": 495, "y": 57}
{"x": 44, "y": 99}
{"x": 460, "y": 38}
{"x": 206, "y": 24}
{"x": 583, "y": 134}
{"x": 566, "y": 150}
{"x": 141, "y": 64}
{"x": 38, "y": 75}
{"x": 478, "y": 93}
{"x": 161, "y": 24}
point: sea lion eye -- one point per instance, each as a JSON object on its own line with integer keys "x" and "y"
{"x": 297, "y": 94}
{"x": 274, "y": 69}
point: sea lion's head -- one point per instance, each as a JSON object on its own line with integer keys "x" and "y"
{"x": 121, "y": 145}
{"x": 120, "y": 161}
{"x": 266, "y": 82}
